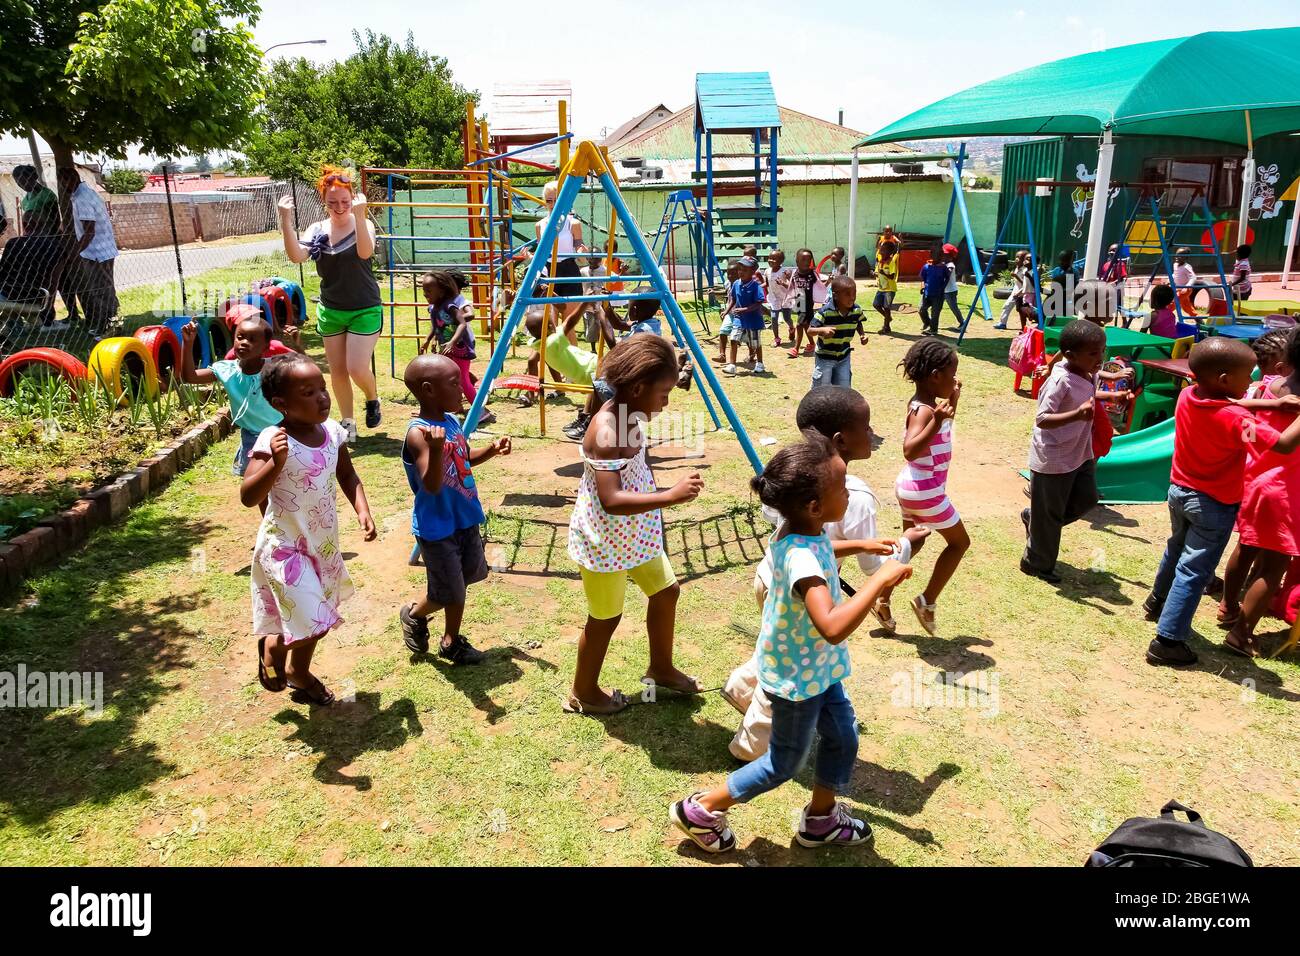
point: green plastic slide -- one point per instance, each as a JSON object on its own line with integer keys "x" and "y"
{"x": 1137, "y": 469}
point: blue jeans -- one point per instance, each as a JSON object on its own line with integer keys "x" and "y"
{"x": 247, "y": 439}
{"x": 777, "y": 316}
{"x": 1201, "y": 527}
{"x": 951, "y": 299}
{"x": 828, "y": 371}
{"x": 793, "y": 721}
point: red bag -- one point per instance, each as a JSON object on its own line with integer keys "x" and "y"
{"x": 1103, "y": 432}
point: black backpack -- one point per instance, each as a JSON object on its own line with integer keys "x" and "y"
{"x": 1141, "y": 841}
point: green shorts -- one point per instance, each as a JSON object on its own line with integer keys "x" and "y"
{"x": 365, "y": 321}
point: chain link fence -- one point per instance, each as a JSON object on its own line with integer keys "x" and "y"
{"x": 184, "y": 245}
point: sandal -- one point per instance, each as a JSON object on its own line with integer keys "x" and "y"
{"x": 317, "y": 693}
{"x": 880, "y": 611}
{"x": 689, "y": 686}
{"x": 1248, "y": 649}
{"x": 267, "y": 676}
{"x": 617, "y": 702}
{"x": 924, "y": 613}
{"x": 1228, "y": 621}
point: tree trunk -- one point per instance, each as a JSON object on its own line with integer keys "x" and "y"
{"x": 62, "y": 160}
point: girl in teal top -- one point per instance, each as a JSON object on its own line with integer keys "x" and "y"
{"x": 802, "y": 660}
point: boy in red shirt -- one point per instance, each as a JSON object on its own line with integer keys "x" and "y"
{"x": 1211, "y": 437}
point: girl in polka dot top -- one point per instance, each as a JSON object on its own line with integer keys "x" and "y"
{"x": 616, "y": 531}
{"x": 802, "y": 658}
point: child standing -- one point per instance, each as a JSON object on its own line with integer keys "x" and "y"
{"x": 298, "y": 576}
{"x": 747, "y": 306}
{"x": 616, "y": 530}
{"x": 728, "y": 323}
{"x": 779, "y": 293}
{"x": 1240, "y": 280}
{"x": 808, "y": 292}
{"x": 950, "y": 287}
{"x": 833, "y": 328}
{"x": 1063, "y": 474}
{"x": 241, "y": 377}
{"x": 1213, "y": 437}
{"x": 934, "y": 280}
{"x": 1020, "y": 277}
{"x": 886, "y": 283}
{"x": 447, "y": 514}
{"x": 921, "y": 487}
{"x": 802, "y": 657}
{"x": 1268, "y": 524}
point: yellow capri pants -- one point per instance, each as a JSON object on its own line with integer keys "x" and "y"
{"x": 606, "y": 590}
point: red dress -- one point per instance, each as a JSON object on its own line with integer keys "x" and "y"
{"x": 1270, "y": 505}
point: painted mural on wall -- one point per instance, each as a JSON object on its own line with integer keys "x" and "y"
{"x": 1264, "y": 201}
{"x": 1081, "y": 198}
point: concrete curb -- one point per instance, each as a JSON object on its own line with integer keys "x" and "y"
{"x": 62, "y": 533}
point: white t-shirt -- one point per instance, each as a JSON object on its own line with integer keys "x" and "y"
{"x": 859, "y": 522}
{"x": 88, "y": 207}
{"x": 779, "y": 289}
{"x": 952, "y": 278}
{"x": 563, "y": 237}
{"x": 1184, "y": 274}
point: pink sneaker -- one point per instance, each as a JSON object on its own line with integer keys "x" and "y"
{"x": 707, "y": 830}
{"x": 837, "y": 828}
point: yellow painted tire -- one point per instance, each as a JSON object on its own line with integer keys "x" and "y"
{"x": 118, "y": 360}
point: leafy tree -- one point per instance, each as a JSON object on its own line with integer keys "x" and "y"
{"x": 984, "y": 182}
{"x": 97, "y": 76}
{"x": 123, "y": 180}
{"x": 203, "y": 164}
{"x": 387, "y": 104}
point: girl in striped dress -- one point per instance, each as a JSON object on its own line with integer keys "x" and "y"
{"x": 921, "y": 487}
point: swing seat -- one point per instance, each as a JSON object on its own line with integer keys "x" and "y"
{"x": 517, "y": 383}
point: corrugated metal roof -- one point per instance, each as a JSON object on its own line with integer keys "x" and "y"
{"x": 632, "y": 125}
{"x": 801, "y": 135}
{"x": 527, "y": 112}
{"x": 736, "y": 101}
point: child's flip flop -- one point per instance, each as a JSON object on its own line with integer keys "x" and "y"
{"x": 689, "y": 686}
{"x": 617, "y": 702}
{"x": 267, "y": 676}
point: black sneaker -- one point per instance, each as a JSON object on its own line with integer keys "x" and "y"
{"x": 1024, "y": 519}
{"x": 577, "y": 429}
{"x": 415, "y": 631}
{"x": 1151, "y": 608}
{"x": 1051, "y": 577}
{"x": 1170, "y": 655}
{"x": 460, "y": 651}
{"x": 373, "y": 415}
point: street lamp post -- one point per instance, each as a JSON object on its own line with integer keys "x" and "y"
{"x": 276, "y": 46}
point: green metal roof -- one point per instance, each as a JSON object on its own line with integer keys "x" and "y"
{"x": 801, "y": 135}
{"x": 735, "y": 101}
{"x": 1197, "y": 86}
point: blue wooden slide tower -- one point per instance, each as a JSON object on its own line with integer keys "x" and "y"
{"x": 736, "y": 115}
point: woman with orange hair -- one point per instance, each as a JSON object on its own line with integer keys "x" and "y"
{"x": 350, "y": 316}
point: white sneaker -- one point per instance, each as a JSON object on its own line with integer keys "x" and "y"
{"x": 759, "y": 368}
{"x": 729, "y": 369}
{"x": 350, "y": 426}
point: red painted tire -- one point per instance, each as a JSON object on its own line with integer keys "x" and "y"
{"x": 280, "y": 305}
{"x": 61, "y": 362}
{"x": 165, "y": 349}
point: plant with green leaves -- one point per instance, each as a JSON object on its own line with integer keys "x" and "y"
{"x": 122, "y": 181}
{"x": 99, "y": 76}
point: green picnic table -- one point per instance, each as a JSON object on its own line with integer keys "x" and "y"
{"x": 1119, "y": 341}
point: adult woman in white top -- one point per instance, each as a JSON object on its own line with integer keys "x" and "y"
{"x": 568, "y": 240}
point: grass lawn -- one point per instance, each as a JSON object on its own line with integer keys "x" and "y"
{"x": 1065, "y": 733}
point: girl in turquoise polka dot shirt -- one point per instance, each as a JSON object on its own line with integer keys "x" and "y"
{"x": 802, "y": 658}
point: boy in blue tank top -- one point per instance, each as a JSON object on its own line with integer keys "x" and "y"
{"x": 446, "y": 516}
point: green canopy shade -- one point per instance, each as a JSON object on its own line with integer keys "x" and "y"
{"x": 1196, "y": 86}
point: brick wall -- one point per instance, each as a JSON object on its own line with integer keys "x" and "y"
{"x": 145, "y": 225}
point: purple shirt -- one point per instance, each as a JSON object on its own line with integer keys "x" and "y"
{"x": 1060, "y": 450}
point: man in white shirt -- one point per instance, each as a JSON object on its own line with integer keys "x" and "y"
{"x": 95, "y": 251}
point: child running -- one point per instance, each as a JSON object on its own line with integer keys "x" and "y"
{"x": 808, "y": 292}
{"x": 616, "y": 531}
{"x": 1268, "y": 524}
{"x": 779, "y": 293}
{"x": 842, "y": 417}
{"x": 921, "y": 487}
{"x": 298, "y": 576}
{"x": 447, "y": 514}
{"x": 241, "y": 377}
{"x": 1213, "y": 437}
{"x": 802, "y": 657}
{"x": 834, "y": 328}
{"x": 1063, "y": 474}
{"x": 748, "y": 303}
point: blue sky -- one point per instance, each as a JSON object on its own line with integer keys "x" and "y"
{"x": 876, "y": 62}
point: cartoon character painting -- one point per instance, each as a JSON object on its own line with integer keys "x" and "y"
{"x": 1264, "y": 202}
{"x": 1081, "y": 198}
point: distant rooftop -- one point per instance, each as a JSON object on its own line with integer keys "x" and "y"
{"x": 200, "y": 183}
